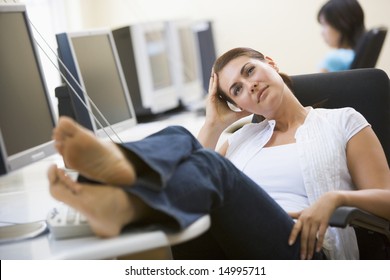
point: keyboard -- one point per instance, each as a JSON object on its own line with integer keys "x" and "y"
{"x": 65, "y": 222}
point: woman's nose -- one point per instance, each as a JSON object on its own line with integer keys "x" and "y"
{"x": 254, "y": 87}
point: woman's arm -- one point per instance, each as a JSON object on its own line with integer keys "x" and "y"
{"x": 370, "y": 173}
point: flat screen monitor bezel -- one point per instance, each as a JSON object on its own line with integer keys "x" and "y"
{"x": 45, "y": 149}
{"x": 116, "y": 127}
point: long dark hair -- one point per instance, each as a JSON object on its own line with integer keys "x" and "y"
{"x": 224, "y": 59}
{"x": 347, "y": 17}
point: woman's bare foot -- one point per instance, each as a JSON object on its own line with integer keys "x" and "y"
{"x": 91, "y": 157}
{"x": 107, "y": 208}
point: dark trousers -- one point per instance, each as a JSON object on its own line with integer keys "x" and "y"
{"x": 181, "y": 179}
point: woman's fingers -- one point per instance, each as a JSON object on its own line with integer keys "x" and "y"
{"x": 295, "y": 232}
{"x": 213, "y": 83}
{"x": 321, "y": 237}
{"x": 312, "y": 235}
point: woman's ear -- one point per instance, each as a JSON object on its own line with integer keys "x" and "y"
{"x": 271, "y": 62}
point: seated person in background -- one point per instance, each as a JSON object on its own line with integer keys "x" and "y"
{"x": 270, "y": 190}
{"x": 342, "y": 24}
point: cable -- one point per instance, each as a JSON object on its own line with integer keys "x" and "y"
{"x": 78, "y": 85}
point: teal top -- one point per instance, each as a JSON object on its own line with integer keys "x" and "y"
{"x": 338, "y": 60}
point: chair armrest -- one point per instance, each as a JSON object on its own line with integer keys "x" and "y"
{"x": 197, "y": 228}
{"x": 352, "y": 216}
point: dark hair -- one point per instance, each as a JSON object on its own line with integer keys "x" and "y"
{"x": 224, "y": 59}
{"x": 347, "y": 17}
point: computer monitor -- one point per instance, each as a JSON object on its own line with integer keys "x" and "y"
{"x": 185, "y": 59}
{"x": 26, "y": 115}
{"x": 91, "y": 58}
{"x": 207, "y": 50}
{"x": 143, "y": 49}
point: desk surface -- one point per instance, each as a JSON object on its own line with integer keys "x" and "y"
{"x": 25, "y": 197}
{"x": 129, "y": 242}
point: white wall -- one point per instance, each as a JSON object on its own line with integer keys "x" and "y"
{"x": 286, "y": 30}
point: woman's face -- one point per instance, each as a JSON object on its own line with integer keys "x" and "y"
{"x": 330, "y": 34}
{"x": 255, "y": 86}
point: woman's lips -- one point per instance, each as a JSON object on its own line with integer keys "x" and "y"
{"x": 261, "y": 93}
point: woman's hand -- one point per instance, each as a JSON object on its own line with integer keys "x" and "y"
{"x": 218, "y": 116}
{"x": 312, "y": 224}
{"x": 218, "y": 112}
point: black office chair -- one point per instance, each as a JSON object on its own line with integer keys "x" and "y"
{"x": 368, "y": 48}
{"x": 368, "y": 91}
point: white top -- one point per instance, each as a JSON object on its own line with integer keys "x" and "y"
{"x": 321, "y": 146}
{"x": 276, "y": 169}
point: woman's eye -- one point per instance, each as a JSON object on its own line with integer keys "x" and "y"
{"x": 250, "y": 70}
{"x": 236, "y": 90}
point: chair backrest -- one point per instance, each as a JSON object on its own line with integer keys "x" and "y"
{"x": 368, "y": 48}
{"x": 365, "y": 90}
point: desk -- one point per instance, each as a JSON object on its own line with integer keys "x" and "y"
{"x": 25, "y": 197}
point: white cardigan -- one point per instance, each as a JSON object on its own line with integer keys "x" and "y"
{"x": 321, "y": 142}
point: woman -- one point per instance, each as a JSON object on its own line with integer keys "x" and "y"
{"x": 342, "y": 23}
{"x": 309, "y": 161}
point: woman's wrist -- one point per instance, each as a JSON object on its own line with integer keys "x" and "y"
{"x": 214, "y": 126}
{"x": 338, "y": 198}
{"x": 209, "y": 135}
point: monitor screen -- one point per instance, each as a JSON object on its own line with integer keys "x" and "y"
{"x": 186, "y": 61}
{"x": 26, "y": 115}
{"x": 189, "y": 54}
{"x": 159, "y": 59}
{"x": 94, "y": 63}
{"x": 153, "y": 64}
